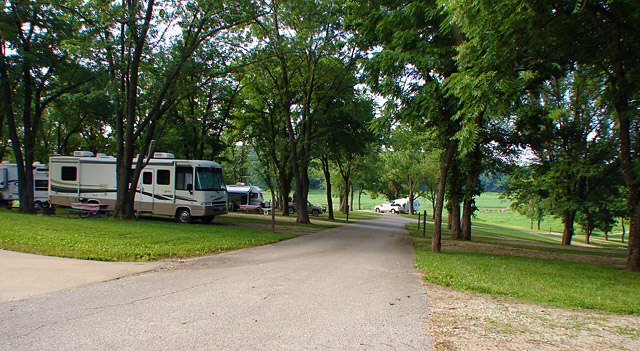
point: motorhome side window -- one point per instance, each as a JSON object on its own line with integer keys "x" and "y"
{"x": 163, "y": 177}
{"x": 69, "y": 173}
{"x": 184, "y": 178}
{"x": 147, "y": 177}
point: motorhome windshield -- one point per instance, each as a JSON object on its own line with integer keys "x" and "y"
{"x": 209, "y": 179}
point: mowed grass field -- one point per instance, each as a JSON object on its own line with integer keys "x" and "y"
{"x": 106, "y": 239}
{"x": 508, "y": 258}
{"x": 503, "y": 261}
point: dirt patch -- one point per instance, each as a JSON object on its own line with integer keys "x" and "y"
{"x": 474, "y": 321}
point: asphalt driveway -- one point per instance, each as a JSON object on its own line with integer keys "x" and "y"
{"x": 349, "y": 288}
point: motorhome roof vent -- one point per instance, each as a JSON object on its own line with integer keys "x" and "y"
{"x": 100, "y": 154}
{"x": 163, "y": 155}
{"x": 81, "y": 153}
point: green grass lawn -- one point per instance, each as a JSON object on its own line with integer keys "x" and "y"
{"x": 545, "y": 281}
{"x": 106, "y": 239}
{"x": 549, "y": 282}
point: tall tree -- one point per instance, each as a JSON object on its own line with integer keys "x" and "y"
{"x": 518, "y": 45}
{"x": 345, "y": 146}
{"x": 142, "y": 55}
{"x": 310, "y": 63}
{"x": 35, "y": 71}
{"x": 527, "y": 197}
{"x": 263, "y": 120}
{"x": 418, "y": 50}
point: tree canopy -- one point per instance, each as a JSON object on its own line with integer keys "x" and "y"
{"x": 400, "y": 98}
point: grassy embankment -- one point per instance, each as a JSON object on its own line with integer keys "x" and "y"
{"x": 106, "y": 239}
{"x": 490, "y": 265}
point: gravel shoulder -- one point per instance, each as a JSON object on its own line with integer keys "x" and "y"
{"x": 472, "y": 321}
{"x": 461, "y": 320}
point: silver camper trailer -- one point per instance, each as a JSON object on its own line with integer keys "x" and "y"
{"x": 185, "y": 189}
{"x": 404, "y": 204}
{"x": 9, "y": 184}
{"x": 242, "y": 196}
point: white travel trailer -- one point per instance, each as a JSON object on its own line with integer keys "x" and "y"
{"x": 243, "y": 195}
{"x": 9, "y": 184}
{"x": 185, "y": 189}
{"x": 404, "y": 204}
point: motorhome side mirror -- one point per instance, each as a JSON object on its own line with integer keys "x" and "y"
{"x": 190, "y": 187}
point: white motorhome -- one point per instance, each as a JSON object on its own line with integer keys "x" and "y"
{"x": 9, "y": 184}
{"x": 185, "y": 189}
{"x": 244, "y": 195}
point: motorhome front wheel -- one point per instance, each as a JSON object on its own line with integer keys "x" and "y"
{"x": 183, "y": 216}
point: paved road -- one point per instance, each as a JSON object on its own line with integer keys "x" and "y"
{"x": 25, "y": 275}
{"x": 350, "y": 288}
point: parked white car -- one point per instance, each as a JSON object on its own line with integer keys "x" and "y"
{"x": 388, "y": 207}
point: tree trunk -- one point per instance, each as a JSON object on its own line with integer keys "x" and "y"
{"x": 539, "y": 224}
{"x": 285, "y": 189}
{"x": 26, "y": 187}
{"x": 633, "y": 259}
{"x": 633, "y": 199}
{"x": 589, "y": 228}
{"x": 466, "y": 219}
{"x": 473, "y": 172}
{"x": 327, "y": 177}
{"x": 22, "y": 164}
{"x": 568, "y": 219}
{"x": 621, "y": 97}
{"x": 126, "y": 177}
{"x": 411, "y": 196}
{"x": 345, "y": 197}
{"x": 303, "y": 196}
{"x": 456, "y": 232}
{"x": 351, "y": 202}
{"x": 298, "y": 170}
{"x": 436, "y": 242}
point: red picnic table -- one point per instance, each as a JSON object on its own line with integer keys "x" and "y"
{"x": 89, "y": 209}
